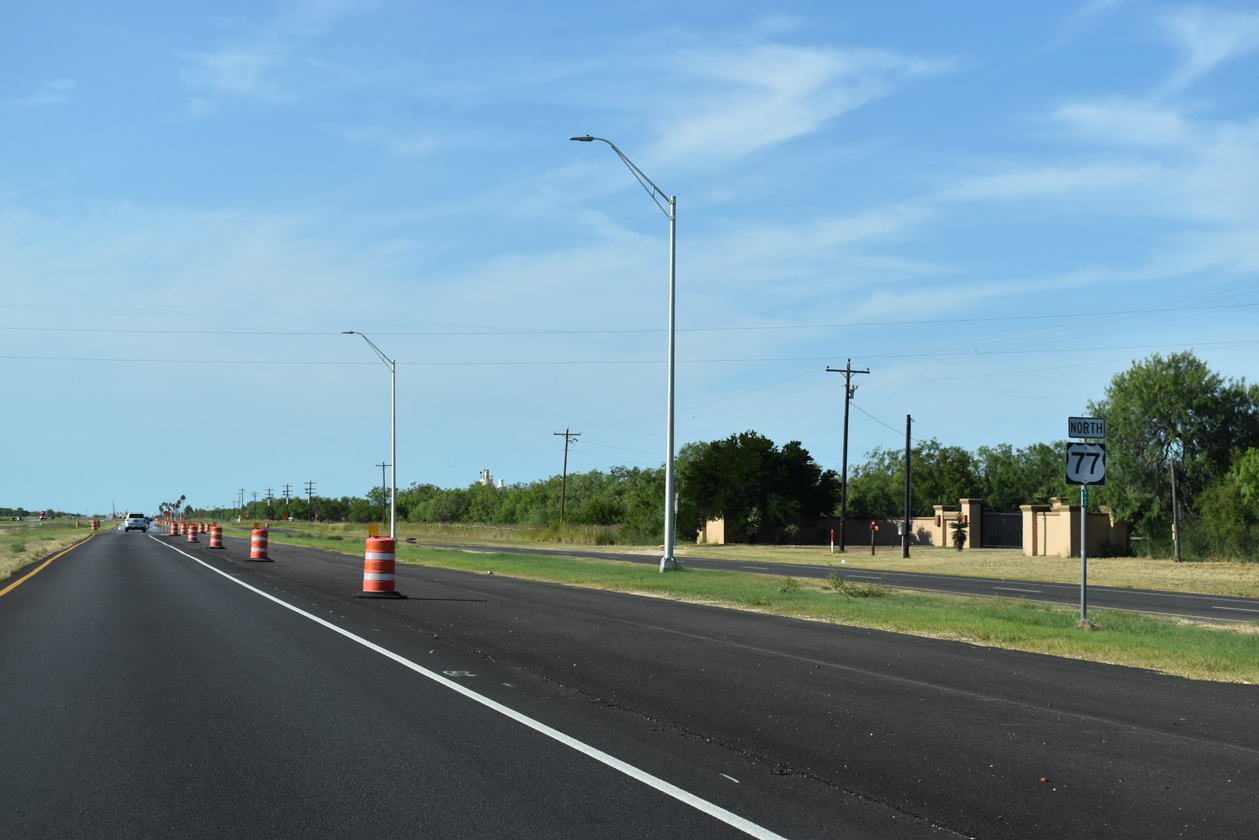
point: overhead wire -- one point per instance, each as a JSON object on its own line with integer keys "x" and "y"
{"x": 643, "y": 330}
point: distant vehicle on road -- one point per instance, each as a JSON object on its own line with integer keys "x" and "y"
{"x": 137, "y": 522}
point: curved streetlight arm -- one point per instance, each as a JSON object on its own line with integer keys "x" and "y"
{"x": 388, "y": 361}
{"x": 647, "y": 183}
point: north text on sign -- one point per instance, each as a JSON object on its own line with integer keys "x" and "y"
{"x": 1087, "y": 427}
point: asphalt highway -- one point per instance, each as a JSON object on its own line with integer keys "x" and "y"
{"x": 1188, "y": 604}
{"x": 155, "y": 688}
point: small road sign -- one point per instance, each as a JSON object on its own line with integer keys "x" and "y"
{"x": 1087, "y": 427}
{"x": 1086, "y": 463}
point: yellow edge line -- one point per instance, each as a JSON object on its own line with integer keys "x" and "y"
{"x": 40, "y": 568}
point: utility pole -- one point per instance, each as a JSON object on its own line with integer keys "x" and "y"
{"x": 564, "y": 482}
{"x": 908, "y": 513}
{"x": 241, "y": 508}
{"x": 255, "y": 504}
{"x": 287, "y": 512}
{"x": 310, "y": 500}
{"x": 849, "y": 390}
{"x": 269, "y": 498}
{"x": 1175, "y": 513}
{"x": 384, "y": 493}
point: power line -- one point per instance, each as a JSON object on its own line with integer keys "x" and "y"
{"x": 761, "y": 328}
{"x": 572, "y": 362}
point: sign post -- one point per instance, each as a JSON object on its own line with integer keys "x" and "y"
{"x": 1086, "y": 465}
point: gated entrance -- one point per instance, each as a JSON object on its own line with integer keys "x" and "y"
{"x": 1002, "y": 530}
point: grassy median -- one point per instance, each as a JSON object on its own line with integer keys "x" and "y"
{"x": 1224, "y": 652}
{"x": 22, "y": 543}
{"x": 1213, "y": 577}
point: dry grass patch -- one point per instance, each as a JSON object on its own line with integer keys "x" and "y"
{"x": 21, "y": 546}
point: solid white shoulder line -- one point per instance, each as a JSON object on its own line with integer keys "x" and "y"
{"x": 728, "y": 817}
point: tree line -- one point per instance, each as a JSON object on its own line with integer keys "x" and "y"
{"x": 1169, "y": 420}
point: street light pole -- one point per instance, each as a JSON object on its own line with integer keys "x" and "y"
{"x": 393, "y": 430}
{"x": 668, "y": 561}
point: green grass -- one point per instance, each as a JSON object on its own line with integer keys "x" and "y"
{"x": 1197, "y": 651}
{"x": 1218, "y": 577}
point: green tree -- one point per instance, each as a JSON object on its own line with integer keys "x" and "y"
{"x": 940, "y": 476}
{"x": 363, "y": 510}
{"x": 644, "y": 504}
{"x": 1166, "y": 414}
{"x": 1013, "y": 477}
{"x": 1228, "y": 509}
{"x": 762, "y": 492}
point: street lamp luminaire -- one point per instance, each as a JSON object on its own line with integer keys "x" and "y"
{"x": 393, "y": 430}
{"x": 670, "y": 513}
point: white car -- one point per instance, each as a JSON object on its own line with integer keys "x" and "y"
{"x": 137, "y": 522}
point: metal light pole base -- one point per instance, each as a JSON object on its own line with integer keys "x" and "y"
{"x": 668, "y": 563}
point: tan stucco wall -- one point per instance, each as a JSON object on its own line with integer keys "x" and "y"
{"x": 1054, "y": 531}
{"x": 1048, "y": 530}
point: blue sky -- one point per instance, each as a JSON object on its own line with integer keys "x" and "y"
{"x": 993, "y": 206}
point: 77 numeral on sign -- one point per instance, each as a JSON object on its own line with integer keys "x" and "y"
{"x": 1086, "y": 463}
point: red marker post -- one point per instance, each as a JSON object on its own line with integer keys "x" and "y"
{"x": 873, "y": 530}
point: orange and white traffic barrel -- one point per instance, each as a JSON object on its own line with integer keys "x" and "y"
{"x": 96, "y": 524}
{"x": 258, "y": 545}
{"x": 378, "y": 569}
{"x": 216, "y": 536}
{"x": 192, "y": 534}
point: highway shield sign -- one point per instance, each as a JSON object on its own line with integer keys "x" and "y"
{"x": 1086, "y": 463}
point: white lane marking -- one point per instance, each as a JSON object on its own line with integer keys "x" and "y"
{"x": 731, "y": 778}
{"x": 1013, "y": 589}
{"x": 728, "y": 817}
{"x": 1235, "y": 609}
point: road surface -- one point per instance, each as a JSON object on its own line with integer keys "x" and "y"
{"x": 155, "y": 688}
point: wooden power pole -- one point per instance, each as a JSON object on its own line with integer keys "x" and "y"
{"x": 849, "y": 390}
{"x": 568, "y": 436}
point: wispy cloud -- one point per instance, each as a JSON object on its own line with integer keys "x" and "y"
{"x": 1123, "y": 122}
{"x": 399, "y": 143}
{"x": 1151, "y": 160}
{"x": 261, "y": 64}
{"x": 1081, "y": 21}
{"x": 1208, "y": 37}
{"x": 748, "y": 99}
{"x": 1053, "y": 180}
{"x": 50, "y": 93}
{"x": 237, "y": 71}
